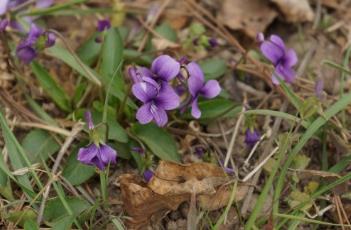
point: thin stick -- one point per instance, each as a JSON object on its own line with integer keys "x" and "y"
{"x": 54, "y": 129}
{"x": 75, "y": 130}
{"x": 232, "y": 141}
{"x": 258, "y": 167}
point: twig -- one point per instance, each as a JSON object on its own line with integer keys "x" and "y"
{"x": 232, "y": 140}
{"x": 54, "y": 129}
{"x": 75, "y": 130}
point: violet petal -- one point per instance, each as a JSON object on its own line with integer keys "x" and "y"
{"x": 108, "y": 154}
{"x": 196, "y": 79}
{"x": 144, "y": 114}
{"x": 159, "y": 115}
{"x": 211, "y": 89}
{"x": 165, "y": 67}
{"x": 167, "y": 99}
{"x": 195, "y": 110}
{"x": 85, "y": 155}
{"x": 144, "y": 91}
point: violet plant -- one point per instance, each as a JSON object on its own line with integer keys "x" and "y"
{"x": 157, "y": 93}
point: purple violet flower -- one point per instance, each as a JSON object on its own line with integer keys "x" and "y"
{"x": 281, "y": 57}
{"x": 96, "y": 153}
{"x": 3, "y": 24}
{"x": 27, "y": 50}
{"x": 198, "y": 87}
{"x": 157, "y": 100}
{"x": 251, "y": 137}
{"x": 148, "y": 174}
{"x": 151, "y": 87}
{"x": 104, "y": 24}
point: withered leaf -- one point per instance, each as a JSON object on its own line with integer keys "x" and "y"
{"x": 295, "y": 10}
{"x": 171, "y": 185}
{"x": 199, "y": 178}
{"x": 251, "y": 16}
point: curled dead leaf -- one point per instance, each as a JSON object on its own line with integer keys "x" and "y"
{"x": 171, "y": 185}
{"x": 141, "y": 203}
{"x": 251, "y": 16}
{"x": 295, "y": 10}
{"x": 199, "y": 178}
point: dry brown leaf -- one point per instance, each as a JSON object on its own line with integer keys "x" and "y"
{"x": 141, "y": 203}
{"x": 171, "y": 185}
{"x": 295, "y": 10}
{"x": 221, "y": 197}
{"x": 174, "y": 179}
{"x": 162, "y": 44}
{"x": 251, "y": 16}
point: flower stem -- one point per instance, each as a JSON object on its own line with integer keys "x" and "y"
{"x": 103, "y": 184}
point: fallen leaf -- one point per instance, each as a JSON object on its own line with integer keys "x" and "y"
{"x": 295, "y": 10}
{"x": 221, "y": 197}
{"x": 141, "y": 203}
{"x": 174, "y": 179}
{"x": 251, "y": 16}
{"x": 171, "y": 185}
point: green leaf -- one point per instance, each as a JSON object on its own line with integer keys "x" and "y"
{"x": 110, "y": 66}
{"x": 74, "y": 62}
{"x": 21, "y": 216}
{"x": 54, "y": 208}
{"x": 115, "y": 130}
{"x": 63, "y": 223}
{"x": 133, "y": 56}
{"x": 215, "y": 108}
{"x": 31, "y": 225}
{"x": 300, "y": 161}
{"x": 158, "y": 140}
{"x": 213, "y": 68}
{"x": 76, "y": 172}
{"x": 166, "y": 31}
{"x": 51, "y": 87}
{"x": 111, "y": 54}
{"x": 89, "y": 50}
{"x": 16, "y": 154}
{"x": 39, "y": 145}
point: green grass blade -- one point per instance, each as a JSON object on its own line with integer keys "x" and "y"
{"x": 312, "y": 129}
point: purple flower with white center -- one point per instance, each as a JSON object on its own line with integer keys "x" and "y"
{"x": 164, "y": 68}
{"x": 157, "y": 99}
{"x": 148, "y": 174}
{"x": 252, "y": 136}
{"x": 198, "y": 87}
{"x": 97, "y": 153}
{"x": 103, "y": 25}
{"x": 3, "y": 24}
{"x": 281, "y": 57}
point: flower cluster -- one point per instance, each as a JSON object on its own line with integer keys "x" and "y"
{"x": 36, "y": 40}
{"x": 281, "y": 57}
{"x": 154, "y": 88}
{"x": 97, "y": 153}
